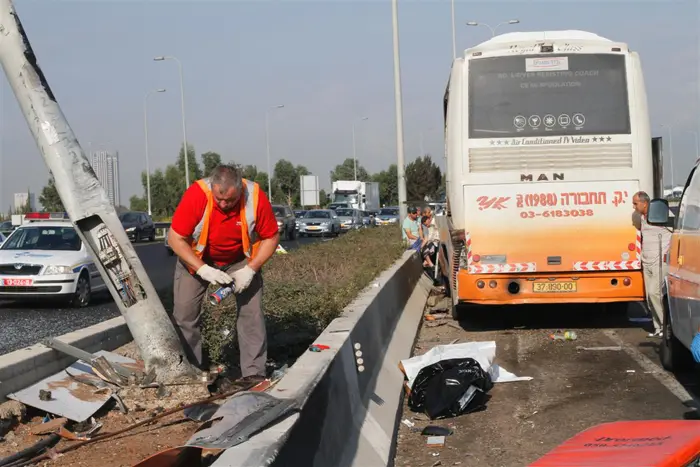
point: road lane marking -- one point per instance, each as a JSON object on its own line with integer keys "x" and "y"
{"x": 661, "y": 375}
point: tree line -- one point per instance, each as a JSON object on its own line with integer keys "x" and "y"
{"x": 424, "y": 181}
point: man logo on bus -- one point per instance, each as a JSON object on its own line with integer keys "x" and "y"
{"x": 541, "y": 177}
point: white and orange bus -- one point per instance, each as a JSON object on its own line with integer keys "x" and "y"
{"x": 547, "y": 140}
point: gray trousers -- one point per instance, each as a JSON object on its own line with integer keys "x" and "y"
{"x": 189, "y": 291}
{"x": 652, "y": 286}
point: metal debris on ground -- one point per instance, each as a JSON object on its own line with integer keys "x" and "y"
{"x": 408, "y": 423}
{"x": 612, "y": 347}
{"x": 435, "y": 441}
{"x": 71, "y": 396}
{"x": 48, "y": 427}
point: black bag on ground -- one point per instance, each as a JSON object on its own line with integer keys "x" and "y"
{"x": 444, "y": 389}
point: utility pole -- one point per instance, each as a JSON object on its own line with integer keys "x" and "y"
{"x": 88, "y": 207}
{"x": 400, "y": 164}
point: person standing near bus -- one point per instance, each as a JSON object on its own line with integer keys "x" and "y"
{"x": 653, "y": 264}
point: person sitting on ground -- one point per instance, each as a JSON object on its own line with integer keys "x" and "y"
{"x": 410, "y": 230}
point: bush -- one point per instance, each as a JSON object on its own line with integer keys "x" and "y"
{"x": 304, "y": 291}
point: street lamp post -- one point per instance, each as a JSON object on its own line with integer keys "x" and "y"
{"x": 182, "y": 105}
{"x": 267, "y": 143}
{"x": 400, "y": 169}
{"x": 670, "y": 151}
{"x": 493, "y": 30}
{"x": 354, "y": 145}
{"x": 145, "y": 131}
{"x": 454, "y": 34}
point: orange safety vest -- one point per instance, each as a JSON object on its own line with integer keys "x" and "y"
{"x": 248, "y": 212}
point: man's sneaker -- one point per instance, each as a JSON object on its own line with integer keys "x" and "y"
{"x": 656, "y": 333}
{"x": 252, "y": 379}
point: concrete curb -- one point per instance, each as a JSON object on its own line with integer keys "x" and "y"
{"x": 348, "y": 417}
{"x": 25, "y": 367}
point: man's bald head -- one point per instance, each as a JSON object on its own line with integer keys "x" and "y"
{"x": 226, "y": 186}
{"x": 640, "y": 201}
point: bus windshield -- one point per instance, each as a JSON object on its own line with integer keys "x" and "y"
{"x": 548, "y": 95}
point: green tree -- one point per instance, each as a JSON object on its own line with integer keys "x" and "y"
{"x": 138, "y": 203}
{"x": 195, "y": 170}
{"x": 250, "y": 172}
{"x": 388, "y": 186}
{"x": 346, "y": 171}
{"x": 49, "y": 198}
{"x": 323, "y": 200}
{"x": 210, "y": 160}
{"x": 423, "y": 178}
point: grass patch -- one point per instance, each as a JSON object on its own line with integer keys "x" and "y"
{"x": 304, "y": 291}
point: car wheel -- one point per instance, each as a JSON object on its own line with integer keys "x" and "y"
{"x": 293, "y": 233}
{"x": 152, "y": 237}
{"x": 137, "y": 237}
{"x": 674, "y": 355}
{"x": 83, "y": 292}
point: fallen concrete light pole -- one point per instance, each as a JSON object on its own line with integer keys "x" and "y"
{"x": 88, "y": 207}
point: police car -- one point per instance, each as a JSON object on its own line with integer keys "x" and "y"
{"x": 45, "y": 258}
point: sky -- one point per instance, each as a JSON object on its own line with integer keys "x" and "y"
{"x": 328, "y": 62}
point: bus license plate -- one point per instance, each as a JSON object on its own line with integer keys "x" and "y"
{"x": 16, "y": 282}
{"x": 554, "y": 287}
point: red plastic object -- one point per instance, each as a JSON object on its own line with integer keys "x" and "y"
{"x": 648, "y": 443}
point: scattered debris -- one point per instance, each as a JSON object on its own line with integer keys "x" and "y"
{"x": 51, "y": 426}
{"x": 434, "y": 430}
{"x": 68, "y": 393}
{"x": 408, "y": 423}
{"x": 565, "y": 336}
{"x": 612, "y": 347}
{"x": 318, "y": 347}
{"x": 435, "y": 441}
{"x": 202, "y": 412}
{"x": 631, "y": 371}
{"x": 437, "y": 463}
{"x": 434, "y": 324}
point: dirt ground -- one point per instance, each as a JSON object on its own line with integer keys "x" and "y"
{"x": 572, "y": 389}
{"x": 121, "y": 451}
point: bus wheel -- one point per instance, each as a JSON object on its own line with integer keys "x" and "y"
{"x": 457, "y": 312}
{"x": 674, "y": 356}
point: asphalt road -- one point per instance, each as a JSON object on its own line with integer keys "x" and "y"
{"x": 576, "y": 384}
{"x": 25, "y": 323}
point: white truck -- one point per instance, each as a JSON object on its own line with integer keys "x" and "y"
{"x": 355, "y": 194}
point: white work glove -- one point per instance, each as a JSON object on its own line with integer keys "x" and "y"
{"x": 242, "y": 278}
{"x": 213, "y": 275}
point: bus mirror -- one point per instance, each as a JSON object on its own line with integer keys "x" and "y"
{"x": 658, "y": 212}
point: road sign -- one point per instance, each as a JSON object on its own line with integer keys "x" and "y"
{"x": 309, "y": 190}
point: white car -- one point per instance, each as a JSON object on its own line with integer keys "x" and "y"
{"x": 47, "y": 259}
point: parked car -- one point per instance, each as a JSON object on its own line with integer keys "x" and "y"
{"x": 350, "y": 219}
{"x": 138, "y": 226}
{"x": 367, "y": 218}
{"x": 321, "y": 222}
{"x": 682, "y": 285}
{"x": 286, "y": 222}
{"x": 299, "y": 214}
{"x": 388, "y": 216}
{"x": 45, "y": 258}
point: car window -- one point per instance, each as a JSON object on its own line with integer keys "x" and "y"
{"x": 317, "y": 215}
{"x": 279, "y": 211}
{"x": 43, "y": 238}
{"x": 129, "y": 217}
{"x": 689, "y": 210}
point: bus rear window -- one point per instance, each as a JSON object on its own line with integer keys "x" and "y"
{"x": 548, "y": 95}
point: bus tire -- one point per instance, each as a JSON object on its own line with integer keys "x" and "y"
{"x": 674, "y": 355}
{"x": 457, "y": 312}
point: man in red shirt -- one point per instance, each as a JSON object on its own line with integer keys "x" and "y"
{"x": 223, "y": 231}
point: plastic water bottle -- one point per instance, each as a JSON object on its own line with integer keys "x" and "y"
{"x": 218, "y": 296}
{"x": 563, "y": 336}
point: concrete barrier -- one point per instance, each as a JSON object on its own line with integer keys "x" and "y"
{"x": 348, "y": 417}
{"x": 27, "y": 366}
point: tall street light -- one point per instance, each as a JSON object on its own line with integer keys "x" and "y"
{"x": 354, "y": 145}
{"x": 454, "y": 35}
{"x": 267, "y": 143}
{"x": 493, "y": 30}
{"x": 145, "y": 131}
{"x": 182, "y": 105}
{"x": 400, "y": 169}
{"x": 670, "y": 150}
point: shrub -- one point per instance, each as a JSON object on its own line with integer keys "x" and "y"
{"x": 304, "y": 291}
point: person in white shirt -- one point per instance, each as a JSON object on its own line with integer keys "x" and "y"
{"x": 654, "y": 265}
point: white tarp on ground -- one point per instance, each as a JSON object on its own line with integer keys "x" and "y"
{"x": 482, "y": 352}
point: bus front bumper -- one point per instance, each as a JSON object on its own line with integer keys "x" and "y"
{"x": 560, "y": 287}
